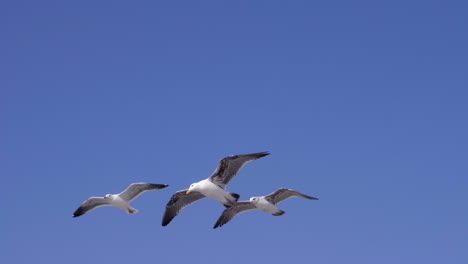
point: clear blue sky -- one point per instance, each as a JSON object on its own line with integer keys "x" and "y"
{"x": 361, "y": 104}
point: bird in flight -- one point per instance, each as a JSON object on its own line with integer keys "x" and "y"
{"x": 213, "y": 187}
{"x": 121, "y": 200}
{"x": 265, "y": 203}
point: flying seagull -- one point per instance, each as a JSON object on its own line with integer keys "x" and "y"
{"x": 212, "y": 187}
{"x": 264, "y": 203}
{"x": 121, "y": 200}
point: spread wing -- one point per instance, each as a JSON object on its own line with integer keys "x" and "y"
{"x": 229, "y": 166}
{"x": 283, "y": 194}
{"x": 232, "y": 211}
{"x": 178, "y": 201}
{"x": 90, "y": 204}
{"x": 135, "y": 189}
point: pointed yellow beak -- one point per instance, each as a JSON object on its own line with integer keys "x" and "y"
{"x": 188, "y": 191}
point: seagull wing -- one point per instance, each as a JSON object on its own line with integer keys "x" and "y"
{"x": 232, "y": 211}
{"x": 90, "y": 204}
{"x": 178, "y": 201}
{"x": 283, "y": 194}
{"x": 135, "y": 189}
{"x": 229, "y": 166}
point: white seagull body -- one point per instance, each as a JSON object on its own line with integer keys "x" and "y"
{"x": 212, "y": 187}
{"x": 265, "y": 203}
{"x": 211, "y": 190}
{"x": 121, "y": 200}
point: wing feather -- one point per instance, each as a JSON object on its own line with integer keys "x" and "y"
{"x": 232, "y": 211}
{"x": 177, "y": 202}
{"x": 90, "y": 204}
{"x": 135, "y": 189}
{"x": 229, "y": 166}
{"x": 283, "y": 194}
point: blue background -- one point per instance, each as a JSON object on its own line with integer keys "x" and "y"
{"x": 362, "y": 104}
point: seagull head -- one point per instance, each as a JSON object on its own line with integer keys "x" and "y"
{"x": 193, "y": 187}
{"x": 107, "y": 196}
{"x": 254, "y": 200}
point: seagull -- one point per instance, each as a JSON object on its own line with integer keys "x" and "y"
{"x": 121, "y": 200}
{"x": 264, "y": 203}
{"x": 212, "y": 187}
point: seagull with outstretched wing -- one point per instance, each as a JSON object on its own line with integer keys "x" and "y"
{"x": 264, "y": 203}
{"x": 212, "y": 187}
{"x": 121, "y": 200}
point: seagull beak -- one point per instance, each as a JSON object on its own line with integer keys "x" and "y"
{"x": 188, "y": 191}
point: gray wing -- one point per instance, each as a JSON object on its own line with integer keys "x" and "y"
{"x": 178, "y": 201}
{"x": 283, "y": 194}
{"x": 232, "y": 211}
{"x": 90, "y": 204}
{"x": 135, "y": 189}
{"x": 229, "y": 166}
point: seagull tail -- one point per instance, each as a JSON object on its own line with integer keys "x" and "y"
{"x": 278, "y": 213}
{"x": 231, "y": 199}
{"x": 234, "y": 196}
{"x": 132, "y": 210}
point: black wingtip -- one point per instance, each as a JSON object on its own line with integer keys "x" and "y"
{"x": 260, "y": 154}
{"x": 158, "y": 185}
{"x": 165, "y": 221}
{"x": 310, "y": 197}
{"x": 218, "y": 224}
{"x": 77, "y": 213}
